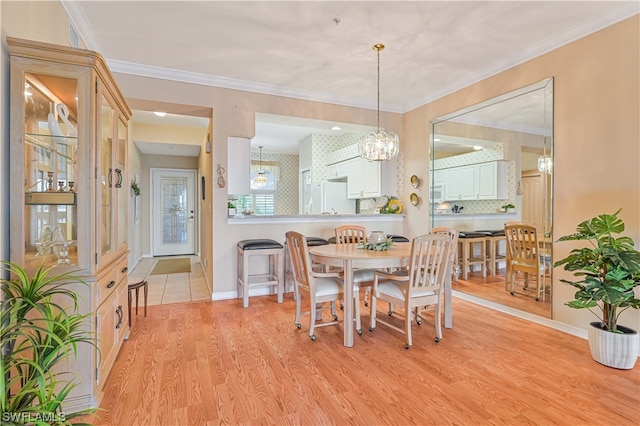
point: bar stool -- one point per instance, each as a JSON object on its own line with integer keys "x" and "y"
{"x": 495, "y": 256}
{"x": 468, "y": 242}
{"x": 288, "y": 267}
{"x": 275, "y": 276}
{"x": 136, "y": 287}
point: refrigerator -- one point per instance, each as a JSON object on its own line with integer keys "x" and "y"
{"x": 330, "y": 197}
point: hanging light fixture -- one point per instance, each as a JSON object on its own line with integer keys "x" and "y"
{"x": 545, "y": 163}
{"x": 261, "y": 179}
{"x": 379, "y": 145}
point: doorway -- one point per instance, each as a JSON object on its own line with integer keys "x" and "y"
{"x": 173, "y": 213}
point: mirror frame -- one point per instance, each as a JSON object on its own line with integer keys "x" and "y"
{"x": 547, "y": 85}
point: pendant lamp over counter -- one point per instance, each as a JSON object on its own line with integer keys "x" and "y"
{"x": 261, "y": 179}
{"x": 379, "y": 145}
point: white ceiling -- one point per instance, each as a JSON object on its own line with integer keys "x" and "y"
{"x": 322, "y": 50}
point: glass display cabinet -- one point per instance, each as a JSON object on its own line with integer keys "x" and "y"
{"x": 68, "y": 210}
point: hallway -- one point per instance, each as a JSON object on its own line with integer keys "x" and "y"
{"x": 172, "y": 288}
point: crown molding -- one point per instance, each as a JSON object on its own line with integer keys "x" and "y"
{"x": 85, "y": 32}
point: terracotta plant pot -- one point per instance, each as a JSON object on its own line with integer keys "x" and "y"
{"x": 617, "y": 350}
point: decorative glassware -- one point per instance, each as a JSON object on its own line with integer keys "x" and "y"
{"x": 44, "y": 242}
{"x": 60, "y": 186}
{"x": 61, "y": 246}
{"x": 376, "y": 237}
{"x": 71, "y": 183}
{"x": 50, "y": 182}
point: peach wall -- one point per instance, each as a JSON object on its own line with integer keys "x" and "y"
{"x": 596, "y": 138}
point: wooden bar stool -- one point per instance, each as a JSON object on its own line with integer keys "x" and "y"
{"x": 136, "y": 287}
{"x": 495, "y": 255}
{"x": 469, "y": 241}
{"x": 274, "y": 277}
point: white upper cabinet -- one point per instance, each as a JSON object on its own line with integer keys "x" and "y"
{"x": 363, "y": 178}
{"x": 483, "y": 181}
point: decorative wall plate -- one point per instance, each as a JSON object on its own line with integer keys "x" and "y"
{"x": 414, "y": 199}
{"x": 415, "y": 181}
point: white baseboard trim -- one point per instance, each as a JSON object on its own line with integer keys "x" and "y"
{"x": 560, "y": 326}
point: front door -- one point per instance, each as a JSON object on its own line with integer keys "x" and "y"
{"x": 173, "y": 212}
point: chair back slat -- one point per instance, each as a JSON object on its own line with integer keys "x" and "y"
{"x": 430, "y": 257}
{"x": 522, "y": 247}
{"x": 522, "y": 242}
{"x": 300, "y": 259}
{"x": 350, "y": 234}
{"x": 452, "y": 233}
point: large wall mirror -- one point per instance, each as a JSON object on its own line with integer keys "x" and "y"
{"x": 515, "y": 132}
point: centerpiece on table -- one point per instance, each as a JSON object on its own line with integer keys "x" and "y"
{"x": 376, "y": 241}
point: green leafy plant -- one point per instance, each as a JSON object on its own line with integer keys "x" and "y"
{"x": 508, "y": 206}
{"x": 38, "y": 334}
{"x": 609, "y": 269}
{"x": 230, "y": 205}
{"x": 135, "y": 188}
{"x": 376, "y": 246}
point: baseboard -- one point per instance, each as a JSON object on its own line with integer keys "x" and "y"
{"x": 557, "y": 325}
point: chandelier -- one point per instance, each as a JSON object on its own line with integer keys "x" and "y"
{"x": 379, "y": 145}
{"x": 261, "y": 179}
{"x": 545, "y": 162}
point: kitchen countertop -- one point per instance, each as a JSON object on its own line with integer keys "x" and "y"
{"x": 449, "y": 216}
{"x": 309, "y": 218}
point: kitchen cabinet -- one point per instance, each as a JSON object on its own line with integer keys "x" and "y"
{"x": 69, "y": 186}
{"x": 338, "y": 171}
{"x": 363, "y": 178}
{"x": 483, "y": 181}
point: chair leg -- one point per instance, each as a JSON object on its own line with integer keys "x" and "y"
{"x": 129, "y": 306}
{"x": 372, "y": 311}
{"x": 146, "y": 293}
{"x": 356, "y": 301}
{"x": 298, "y": 305}
{"x": 280, "y": 262}
{"x": 407, "y": 324}
{"x": 137, "y": 294}
{"x": 312, "y": 318}
{"x": 245, "y": 280}
{"x": 438, "y": 315}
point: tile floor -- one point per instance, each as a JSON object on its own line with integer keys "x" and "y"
{"x": 171, "y": 288}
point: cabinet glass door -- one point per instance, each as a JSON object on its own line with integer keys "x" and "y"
{"x": 50, "y": 168}
{"x": 107, "y": 179}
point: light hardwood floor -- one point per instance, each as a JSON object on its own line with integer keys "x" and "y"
{"x": 204, "y": 363}
{"x": 493, "y": 288}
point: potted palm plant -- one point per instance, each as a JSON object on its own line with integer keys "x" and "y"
{"x": 38, "y": 335}
{"x": 608, "y": 270}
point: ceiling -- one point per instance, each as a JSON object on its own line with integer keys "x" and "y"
{"x": 322, "y": 50}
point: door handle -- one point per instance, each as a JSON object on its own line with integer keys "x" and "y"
{"x": 119, "y": 313}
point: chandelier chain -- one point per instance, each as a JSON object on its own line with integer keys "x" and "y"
{"x": 379, "y": 89}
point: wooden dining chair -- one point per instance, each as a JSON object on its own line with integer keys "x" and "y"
{"x": 453, "y": 261}
{"x": 524, "y": 255}
{"x": 353, "y": 234}
{"x": 419, "y": 286}
{"x": 320, "y": 287}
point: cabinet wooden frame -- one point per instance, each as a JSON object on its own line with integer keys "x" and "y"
{"x": 79, "y": 79}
